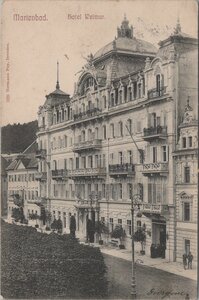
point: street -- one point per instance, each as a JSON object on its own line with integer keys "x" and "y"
{"x": 151, "y": 283}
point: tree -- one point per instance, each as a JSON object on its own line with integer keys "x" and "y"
{"x": 18, "y": 214}
{"x": 100, "y": 228}
{"x": 57, "y": 225}
{"x": 140, "y": 236}
{"x": 119, "y": 233}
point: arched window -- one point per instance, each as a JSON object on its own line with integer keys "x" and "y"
{"x": 112, "y": 133}
{"x": 97, "y": 103}
{"x": 83, "y": 136}
{"x": 120, "y": 96}
{"x": 96, "y": 133}
{"x": 54, "y": 118}
{"x": 112, "y": 99}
{"x": 158, "y": 82}
{"x": 120, "y": 128}
{"x": 104, "y": 132}
{"x": 129, "y": 126}
{"x": 65, "y": 141}
{"x": 89, "y": 134}
{"x": 130, "y": 93}
{"x": 104, "y": 97}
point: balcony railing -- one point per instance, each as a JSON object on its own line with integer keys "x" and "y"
{"x": 59, "y": 174}
{"x": 41, "y": 176}
{"x": 41, "y": 154}
{"x": 154, "y": 168}
{"x": 87, "y": 114}
{"x": 121, "y": 170}
{"x": 38, "y": 200}
{"x": 85, "y": 145}
{"x": 150, "y": 208}
{"x": 154, "y": 93}
{"x": 87, "y": 172}
{"x": 151, "y": 133}
{"x": 81, "y": 204}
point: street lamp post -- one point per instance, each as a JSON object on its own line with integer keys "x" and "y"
{"x": 135, "y": 201}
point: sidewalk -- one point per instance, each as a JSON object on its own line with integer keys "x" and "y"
{"x": 158, "y": 263}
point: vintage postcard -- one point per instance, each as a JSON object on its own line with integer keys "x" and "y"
{"x": 99, "y": 149}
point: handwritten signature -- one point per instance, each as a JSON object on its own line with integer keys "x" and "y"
{"x": 163, "y": 294}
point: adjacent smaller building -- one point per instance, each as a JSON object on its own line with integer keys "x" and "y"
{"x": 22, "y": 182}
{"x": 186, "y": 160}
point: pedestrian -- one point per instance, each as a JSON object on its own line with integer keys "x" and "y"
{"x": 184, "y": 258}
{"x": 190, "y": 259}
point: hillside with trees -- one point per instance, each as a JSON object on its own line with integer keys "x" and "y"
{"x": 17, "y": 137}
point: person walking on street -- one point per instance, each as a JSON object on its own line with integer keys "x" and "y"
{"x": 190, "y": 259}
{"x": 184, "y": 258}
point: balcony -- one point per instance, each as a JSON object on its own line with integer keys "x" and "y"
{"x": 85, "y": 204}
{"x": 87, "y": 114}
{"x": 153, "y": 133}
{"x": 41, "y": 176}
{"x": 160, "y": 168}
{"x": 154, "y": 93}
{"x": 121, "y": 170}
{"x": 94, "y": 144}
{"x": 41, "y": 154}
{"x": 37, "y": 200}
{"x": 151, "y": 209}
{"x": 59, "y": 174}
{"x": 87, "y": 173}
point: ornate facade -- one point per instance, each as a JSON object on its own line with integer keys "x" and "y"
{"x": 118, "y": 136}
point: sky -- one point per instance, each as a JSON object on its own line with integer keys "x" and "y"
{"x": 31, "y": 49}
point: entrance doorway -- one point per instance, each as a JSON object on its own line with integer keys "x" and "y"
{"x": 158, "y": 238}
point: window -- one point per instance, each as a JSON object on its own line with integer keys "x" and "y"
{"x": 119, "y": 221}
{"x": 139, "y": 225}
{"x": 187, "y": 174}
{"x": 164, "y": 153}
{"x": 130, "y": 190}
{"x": 135, "y": 90}
{"x": 77, "y": 162}
{"x": 120, "y": 129}
{"x": 112, "y": 131}
{"x": 103, "y": 219}
{"x": 120, "y": 191}
{"x": 111, "y": 224}
{"x": 129, "y": 126}
{"x": 120, "y": 96}
{"x": 90, "y": 161}
{"x": 103, "y": 190}
{"x": 130, "y": 93}
{"x": 104, "y": 97}
{"x": 104, "y": 132}
{"x": 83, "y": 136}
{"x": 129, "y": 157}
{"x": 89, "y": 190}
{"x": 184, "y": 142}
{"x": 190, "y": 141}
{"x": 112, "y": 99}
{"x": 129, "y": 226}
{"x": 89, "y": 134}
{"x": 125, "y": 93}
{"x": 154, "y": 154}
{"x": 140, "y": 190}
{"x": 186, "y": 211}
{"x": 187, "y": 246}
{"x": 120, "y": 158}
{"x": 111, "y": 158}
{"x": 139, "y": 90}
{"x": 65, "y": 164}
{"x": 83, "y": 162}
{"x": 65, "y": 141}
{"x": 158, "y": 82}
{"x": 96, "y": 133}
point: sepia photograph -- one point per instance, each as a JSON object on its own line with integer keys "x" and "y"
{"x": 99, "y": 149}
